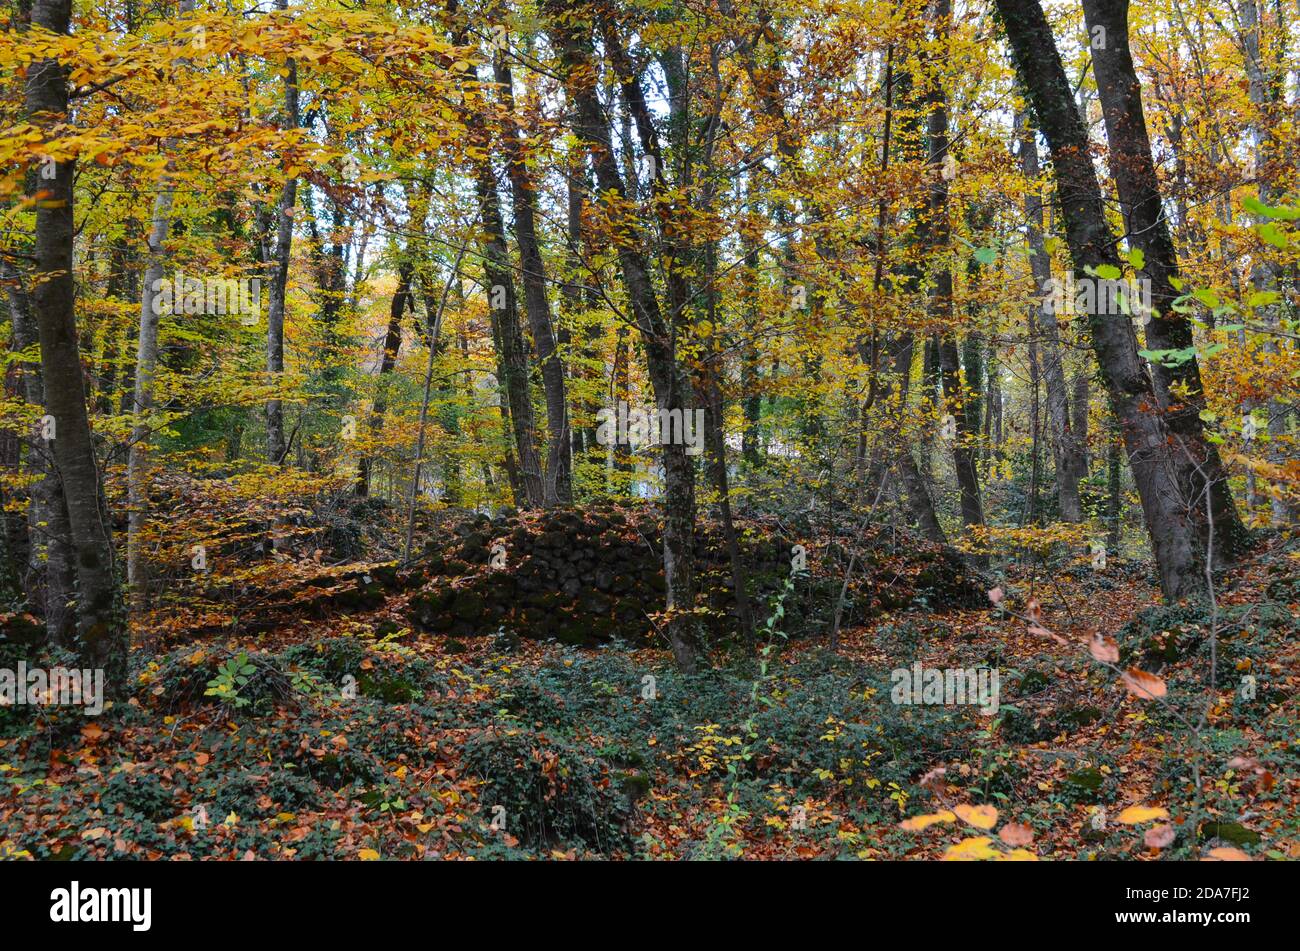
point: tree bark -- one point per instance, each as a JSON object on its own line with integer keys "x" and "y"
{"x": 557, "y": 479}
{"x": 101, "y": 622}
{"x": 278, "y": 261}
{"x": 1179, "y": 388}
{"x": 1161, "y": 470}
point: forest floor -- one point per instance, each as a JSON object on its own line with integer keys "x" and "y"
{"x": 353, "y": 737}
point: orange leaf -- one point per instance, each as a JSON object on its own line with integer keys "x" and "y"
{"x": 1136, "y": 814}
{"x": 1015, "y": 834}
{"x": 1143, "y": 685}
{"x": 1225, "y": 854}
{"x": 1103, "y": 649}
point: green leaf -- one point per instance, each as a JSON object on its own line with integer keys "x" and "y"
{"x": 1137, "y": 258}
{"x": 1108, "y": 272}
{"x": 1257, "y": 207}
{"x": 1272, "y": 234}
{"x": 1208, "y": 298}
{"x": 986, "y": 256}
{"x": 1262, "y": 298}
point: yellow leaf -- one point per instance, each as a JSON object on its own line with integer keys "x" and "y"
{"x": 1018, "y": 855}
{"x": 981, "y": 817}
{"x": 368, "y": 855}
{"x": 917, "y": 823}
{"x": 980, "y": 847}
{"x": 1135, "y": 814}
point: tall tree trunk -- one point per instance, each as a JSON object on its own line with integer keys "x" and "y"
{"x": 503, "y": 308}
{"x": 146, "y": 364}
{"x": 50, "y": 578}
{"x": 1266, "y": 85}
{"x": 557, "y": 479}
{"x": 276, "y": 449}
{"x": 936, "y": 235}
{"x": 101, "y": 622}
{"x": 1139, "y": 195}
{"x": 1161, "y": 470}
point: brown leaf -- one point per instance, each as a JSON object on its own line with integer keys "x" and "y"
{"x": 1015, "y": 834}
{"x": 1039, "y": 631}
{"x": 934, "y": 776}
{"x": 1103, "y": 649}
{"x": 1143, "y": 685}
{"x": 1034, "y": 610}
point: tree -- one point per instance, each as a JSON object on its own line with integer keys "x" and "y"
{"x": 101, "y": 623}
{"x": 1162, "y": 469}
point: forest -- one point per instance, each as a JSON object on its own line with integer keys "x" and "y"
{"x": 650, "y": 430}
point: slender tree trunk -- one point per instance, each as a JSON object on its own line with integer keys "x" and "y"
{"x": 276, "y": 449}
{"x": 1066, "y": 452}
{"x": 1266, "y": 86}
{"x": 1113, "y": 509}
{"x": 402, "y": 299}
{"x": 503, "y": 308}
{"x": 146, "y": 365}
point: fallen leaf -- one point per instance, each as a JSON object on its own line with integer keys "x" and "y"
{"x": 1015, "y": 834}
{"x": 1143, "y": 685}
{"x": 917, "y": 823}
{"x": 1159, "y": 837}
{"x": 980, "y": 847}
{"x": 1103, "y": 649}
{"x": 981, "y": 817}
{"x": 1135, "y": 814}
{"x": 1226, "y": 854}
